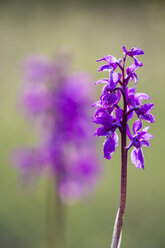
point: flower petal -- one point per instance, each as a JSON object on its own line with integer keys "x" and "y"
{"x": 135, "y": 77}
{"x": 100, "y": 112}
{"x": 145, "y": 143}
{"x": 124, "y": 49}
{"x": 142, "y": 96}
{"x": 137, "y": 126}
{"x": 96, "y": 104}
{"x": 119, "y": 113}
{"x": 145, "y": 136}
{"x": 138, "y": 62}
{"x": 137, "y": 51}
{"x": 109, "y": 59}
{"x": 140, "y": 159}
{"x": 105, "y": 68}
{"x": 137, "y": 158}
{"x": 116, "y": 138}
{"x": 102, "y": 81}
{"x": 109, "y": 99}
{"x": 106, "y": 89}
{"x": 109, "y": 147}
{"x": 105, "y": 121}
{"x": 144, "y": 109}
{"x": 148, "y": 117}
{"x": 131, "y": 90}
{"x": 128, "y": 132}
{"x": 114, "y": 79}
{"x": 101, "y": 131}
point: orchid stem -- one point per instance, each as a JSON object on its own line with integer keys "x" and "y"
{"x": 116, "y": 239}
{"x": 120, "y": 214}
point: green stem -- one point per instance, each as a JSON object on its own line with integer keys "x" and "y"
{"x": 54, "y": 217}
{"x": 60, "y": 217}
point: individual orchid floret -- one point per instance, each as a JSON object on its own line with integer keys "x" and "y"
{"x": 143, "y": 112}
{"x": 131, "y": 75}
{"x": 108, "y": 121}
{"x": 112, "y": 82}
{"x": 109, "y": 99}
{"x": 134, "y": 100}
{"x": 112, "y": 63}
{"x": 133, "y": 52}
{"x": 113, "y": 118}
{"x": 130, "y": 71}
{"x": 138, "y": 140}
{"x": 109, "y": 124}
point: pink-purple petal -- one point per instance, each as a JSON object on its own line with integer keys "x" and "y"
{"x": 142, "y": 96}
{"x": 137, "y": 51}
{"x": 138, "y": 62}
{"x": 105, "y": 68}
{"x": 128, "y": 132}
{"x": 101, "y": 131}
{"x": 119, "y": 113}
{"x": 149, "y": 117}
{"x": 137, "y": 158}
{"x": 109, "y": 147}
{"x": 137, "y": 126}
{"x": 103, "y": 81}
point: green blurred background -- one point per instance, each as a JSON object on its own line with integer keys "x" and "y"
{"x": 90, "y": 30}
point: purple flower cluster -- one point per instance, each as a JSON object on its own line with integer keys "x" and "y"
{"x": 111, "y": 116}
{"x": 58, "y": 103}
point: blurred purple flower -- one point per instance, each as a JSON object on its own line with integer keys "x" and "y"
{"x": 59, "y": 102}
{"x": 36, "y": 69}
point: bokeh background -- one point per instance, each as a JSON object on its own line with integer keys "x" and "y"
{"x": 90, "y": 30}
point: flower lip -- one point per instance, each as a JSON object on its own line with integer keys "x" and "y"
{"x": 110, "y": 145}
{"x": 137, "y": 158}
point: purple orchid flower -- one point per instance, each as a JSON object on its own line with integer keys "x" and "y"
{"x": 117, "y": 87}
{"x": 112, "y": 94}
